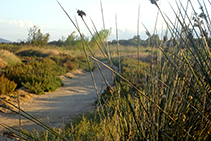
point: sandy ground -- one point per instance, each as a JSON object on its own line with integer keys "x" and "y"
{"x": 77, "y": 96}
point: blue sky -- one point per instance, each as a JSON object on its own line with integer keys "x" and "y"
{"x": 17, "y": 16}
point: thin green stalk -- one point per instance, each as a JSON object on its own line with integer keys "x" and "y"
{"x": 207, "y": 17}
{"x": 108, "y": 48}
{"x": 157, "y": 106}
{"x": 152, "y": 85}
{"x": 92, "y": 75}
{"x": 19, "y": 118}
{"x": 109, "y": 56}
{"x": 199, "y": 57}
{"x": 197, "y": 80}
{"x": 138, "y": 36}
{"x": 118, "y": 52}
{"x": 12, "y": 130}
{"x": 93, "y": 55}
{"x": 101, "y": 42}
{"x": 94, "y": 38}
{"x": 183, "y": 99}
{"x": 102, "y": 14}
{"x": 118, "y": 45}
{"x": 173, "y": 61}
{"x": 204, "y": 39}
{"x": 90, "y": 68}
{"x": 199, "y": 60}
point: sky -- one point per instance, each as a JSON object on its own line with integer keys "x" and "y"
{"x": 18, "y": 16}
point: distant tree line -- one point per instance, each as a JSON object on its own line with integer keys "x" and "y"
{"x": 74, "y": 41}
{"x": 154, "y": 39}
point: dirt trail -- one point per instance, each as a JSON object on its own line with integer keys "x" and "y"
{"x": 75, "y": 97}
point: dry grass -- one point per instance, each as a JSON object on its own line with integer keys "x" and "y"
{"x": 3, "y": 64}
{"x": 50, "y": 50}
{"x": 8, "y": 58}
{"x": 126, "y": 51}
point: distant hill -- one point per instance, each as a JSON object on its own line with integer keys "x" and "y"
{"x": 4, "y": 41}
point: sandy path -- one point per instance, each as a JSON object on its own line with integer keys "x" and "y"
{"x": 75, "y": 97}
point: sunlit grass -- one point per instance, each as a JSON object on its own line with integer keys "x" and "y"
{"x": 8, "y": 58}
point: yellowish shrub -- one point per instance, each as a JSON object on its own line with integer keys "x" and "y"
{"x": 9, "y": 57}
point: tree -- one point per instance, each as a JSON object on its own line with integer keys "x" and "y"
{"x": 135, "y": 40}
{"x": 36, "y": 38}
{"x": 101, "y": 35}
{"x": 154, "y": 40}
{"x": 74, "y": 41}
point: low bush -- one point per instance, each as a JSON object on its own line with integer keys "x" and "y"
{"x": 3, "y": 63}
{"x": 9, "y": 57}
{"x": 71, "y": 64}
{"x": 37, "y": 76}
{"x": 43, "y": 83}
{"x": 38, "y": 52}
{"x": 6, "y": 86}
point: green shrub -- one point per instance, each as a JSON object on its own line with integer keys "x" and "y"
{"x": 37, "y": 76}
{"x": 72, "y": 63}
{"x": 6, "y": 86}
{"x": 37, "y": 52}
{"x": 41, "y": 85}
{"x": 129, "y": 68}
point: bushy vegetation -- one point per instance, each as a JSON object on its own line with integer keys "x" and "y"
{"x": 37, "y": 69}
{"x": 8, "y": 58}
{"x": 36, "y": 75}
{"x": 36, "y": 38}
{"x": 3, "y": 63}
{"x": 36, "y": 52}
{"x": 72, "y": 63}
{"x": 6, "y": 86}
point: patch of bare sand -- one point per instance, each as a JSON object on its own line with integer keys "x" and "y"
{"x": 24, "y": 96}
{"x": 77, "y": 96}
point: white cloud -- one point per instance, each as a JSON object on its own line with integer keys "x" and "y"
{"x": 2, "y": 21}
{"x": 21, "y": 23}
{"x": 18, "y": 23}
{"x": 17, "y": 29}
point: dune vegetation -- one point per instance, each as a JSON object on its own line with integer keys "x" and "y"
{"x": 35, "y": 68}
{"x": 166, "y": 97}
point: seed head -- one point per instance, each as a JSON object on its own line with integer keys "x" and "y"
{"x": 154, "y": 2}
{"x": 81, "y": 13}
{"x": 165, "y": 38}
{"x": 148, "y": 34}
